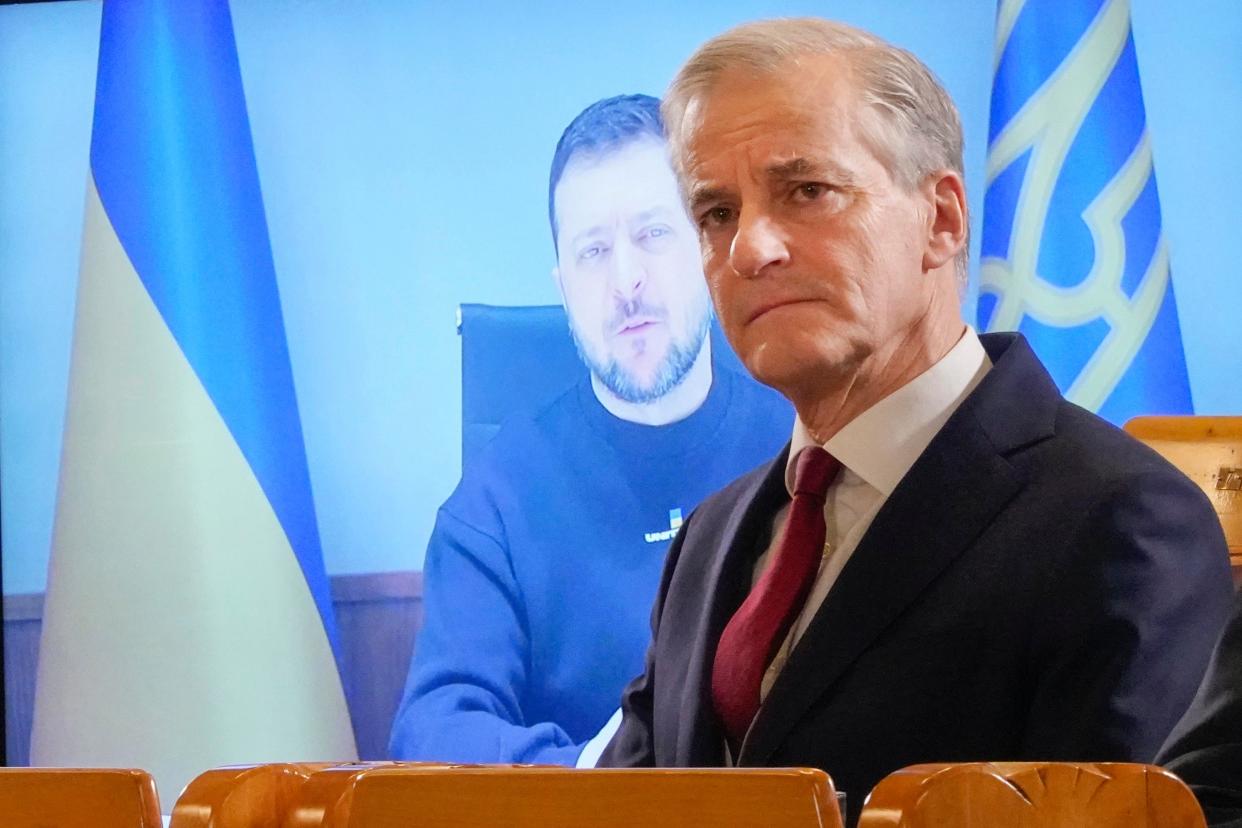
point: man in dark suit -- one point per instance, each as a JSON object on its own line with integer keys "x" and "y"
{"x": 949, "y": 562}
{"x": 1205, "y": 748}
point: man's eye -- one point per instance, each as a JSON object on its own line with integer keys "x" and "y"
{"x": 591, "y": 252}
{"x": 810, "y": 191}
{"x": 654, "y": 238}
{"x": 716, "y": 217}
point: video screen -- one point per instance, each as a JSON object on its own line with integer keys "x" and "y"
{"x": 390, "y": 469}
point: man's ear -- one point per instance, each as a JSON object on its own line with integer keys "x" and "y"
{"x": 949, "y": 223}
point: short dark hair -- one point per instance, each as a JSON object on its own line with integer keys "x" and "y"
{"x": 603, "y": 127}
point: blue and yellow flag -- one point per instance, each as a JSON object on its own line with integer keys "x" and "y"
{"x": 188, "y": 620}
{"x": 1073, "y": 254}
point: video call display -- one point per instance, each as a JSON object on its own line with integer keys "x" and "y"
{"x": 510, "y": 387}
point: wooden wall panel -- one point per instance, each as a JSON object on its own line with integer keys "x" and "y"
{"x": 378, "y": 616}
{"x": 23, "y": 619}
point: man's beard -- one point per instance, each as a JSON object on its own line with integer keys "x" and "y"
{"x": 672, "y": 370}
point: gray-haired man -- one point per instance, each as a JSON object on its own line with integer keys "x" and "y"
{"x": 1002, "y": 575}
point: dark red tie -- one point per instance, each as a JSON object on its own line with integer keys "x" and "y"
{"x": 760, "y": 625}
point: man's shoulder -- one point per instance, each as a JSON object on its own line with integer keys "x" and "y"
{"x": 528, "y": 434}
{"x": 1034, "y": 427}
{"x": 1109, "y": 497}
{"x": 1087, "y": 446}
{"x": 742, "y": 488}
{"x": 728, "y": 504}
{"x": 531, "y": 450}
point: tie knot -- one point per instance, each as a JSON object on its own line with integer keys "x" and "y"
{"x": 814, "y": 472}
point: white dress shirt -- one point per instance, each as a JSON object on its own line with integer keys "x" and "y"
{"x": 875, "y": 449}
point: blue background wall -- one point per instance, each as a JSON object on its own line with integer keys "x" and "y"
{"x": 403, "y": 152}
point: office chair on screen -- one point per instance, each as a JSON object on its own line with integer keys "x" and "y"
{"x": 512, "y": 359}
{"x": 519, "y": 359}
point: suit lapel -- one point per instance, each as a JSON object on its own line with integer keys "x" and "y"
{"x": 743, "y": 535}
{"x": 949, "y": 497}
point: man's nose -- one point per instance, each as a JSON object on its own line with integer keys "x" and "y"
{"x": 758, "y": 244}
{"x": 629, "y": 272}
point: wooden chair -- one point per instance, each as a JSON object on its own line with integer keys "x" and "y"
{"x": 323, "y": 794}
{"x": 1209, "y": 451}
{"x": 326, "y": 797}
{"x": 542, "y": 797}
{"x": 1031, "y": 795}
{"x": 277, "y": 795}
{"x": 242, "y": 796}
{"x": 78, "y": 798}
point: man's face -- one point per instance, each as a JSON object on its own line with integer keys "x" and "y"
{"x": 813, "y": 254}
{"x": 629, "y": 270}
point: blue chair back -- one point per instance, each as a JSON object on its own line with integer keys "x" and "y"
{"x": 512, "y": 359}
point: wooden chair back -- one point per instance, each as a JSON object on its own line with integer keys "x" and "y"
{"x": 541, "y": 797}
{"x": 1208, "y": 450}
{"x": 242, "y": 796}
{"x": 78, "y": 798}
{"x": 327, "y": 795}
{"x": 1031, "y": 795}
{"x": 276, "y": 795}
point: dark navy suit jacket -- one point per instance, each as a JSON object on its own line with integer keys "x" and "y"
{"x": 1205, "y": 748}
{"x": 1038, "y": 586}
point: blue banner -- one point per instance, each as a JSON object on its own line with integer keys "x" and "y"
{"x": 174, "y": 163}
{"x": 1073, "y": 254}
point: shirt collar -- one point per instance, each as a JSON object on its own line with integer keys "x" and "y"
{"x": 882, "y": 443}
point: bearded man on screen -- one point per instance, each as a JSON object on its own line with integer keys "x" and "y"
{"x": 544, "y": 561}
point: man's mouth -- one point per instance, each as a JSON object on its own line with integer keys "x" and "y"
{"x": 636, "y": 324}
{"x": 771, "y": 306}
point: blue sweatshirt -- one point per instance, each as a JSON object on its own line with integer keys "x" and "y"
{"x": 544, "y": 562}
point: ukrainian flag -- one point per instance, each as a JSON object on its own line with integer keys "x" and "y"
{"x": 1073, "y": 254}
{"x": 188, "y": 620}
